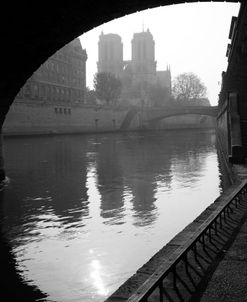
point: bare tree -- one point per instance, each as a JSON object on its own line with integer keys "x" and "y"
{"x": 188, "y": 86}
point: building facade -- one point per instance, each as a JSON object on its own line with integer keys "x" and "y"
{"x": 143, "y": 58}
{"x": 60, "y": 80}
{"x": 110, "y": 54}
{"x": 163, "y": 78}
{"x": 136, "y": 74}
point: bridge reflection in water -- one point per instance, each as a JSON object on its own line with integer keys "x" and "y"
{"x": 83, "y": 213}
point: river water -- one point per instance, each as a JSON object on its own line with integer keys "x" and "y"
{"x": 82, "y": 213}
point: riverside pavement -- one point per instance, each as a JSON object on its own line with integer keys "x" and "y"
{"x": 228, "y": 282}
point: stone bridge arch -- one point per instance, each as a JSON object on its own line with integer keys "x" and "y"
{"x": 152, "y": 116}
{"x": 31, "y": 31}
{"x": 155, "y": 116}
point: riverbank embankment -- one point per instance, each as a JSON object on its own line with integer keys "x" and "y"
{"x": 30, "y": 118}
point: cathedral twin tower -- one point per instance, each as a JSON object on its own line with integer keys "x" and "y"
{"x": 142, "y": 66}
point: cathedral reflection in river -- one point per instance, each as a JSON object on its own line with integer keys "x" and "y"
{"x": 83, "y": 212}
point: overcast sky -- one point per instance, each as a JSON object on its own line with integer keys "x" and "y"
{"x": 190, "y": 37}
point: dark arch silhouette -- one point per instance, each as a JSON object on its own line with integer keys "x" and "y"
{"x": 31, "y": 31}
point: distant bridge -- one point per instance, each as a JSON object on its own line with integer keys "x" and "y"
{"x": 156, "y": 114}
{"x": 153, "y": 115}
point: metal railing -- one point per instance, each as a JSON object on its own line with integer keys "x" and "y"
{"x": 213, "y": 222}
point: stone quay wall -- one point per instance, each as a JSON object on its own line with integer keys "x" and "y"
{"x": 32, "y": 118}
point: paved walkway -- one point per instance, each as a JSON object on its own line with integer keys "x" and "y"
{"x": 229, "y": 280}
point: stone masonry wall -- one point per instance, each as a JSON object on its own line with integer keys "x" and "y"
{"x": 29, "y": 118}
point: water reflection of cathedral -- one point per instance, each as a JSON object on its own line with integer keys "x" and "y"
{"x": 126, "y": 164}
{"x": 131, "y": 163}
{"x": 110, "y": 181}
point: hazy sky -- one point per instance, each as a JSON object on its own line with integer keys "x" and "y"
{"x": 190, "y": 37}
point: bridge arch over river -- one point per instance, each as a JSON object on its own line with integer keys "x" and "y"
{"x": 159, "y": 114}
{"x": 154, "y": 115}
{"x": 38, "y": 30}
{"x": 33, "y": 31}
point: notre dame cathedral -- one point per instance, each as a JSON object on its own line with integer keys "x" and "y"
{"x": 138, "y": 73}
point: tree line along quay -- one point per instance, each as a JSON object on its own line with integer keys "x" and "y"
{"x": 187, "y": 90}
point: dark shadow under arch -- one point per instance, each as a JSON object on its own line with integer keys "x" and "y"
{"x": 31, "y": 31}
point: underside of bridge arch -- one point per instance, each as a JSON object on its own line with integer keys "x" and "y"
{"x": 31, "y": 31}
